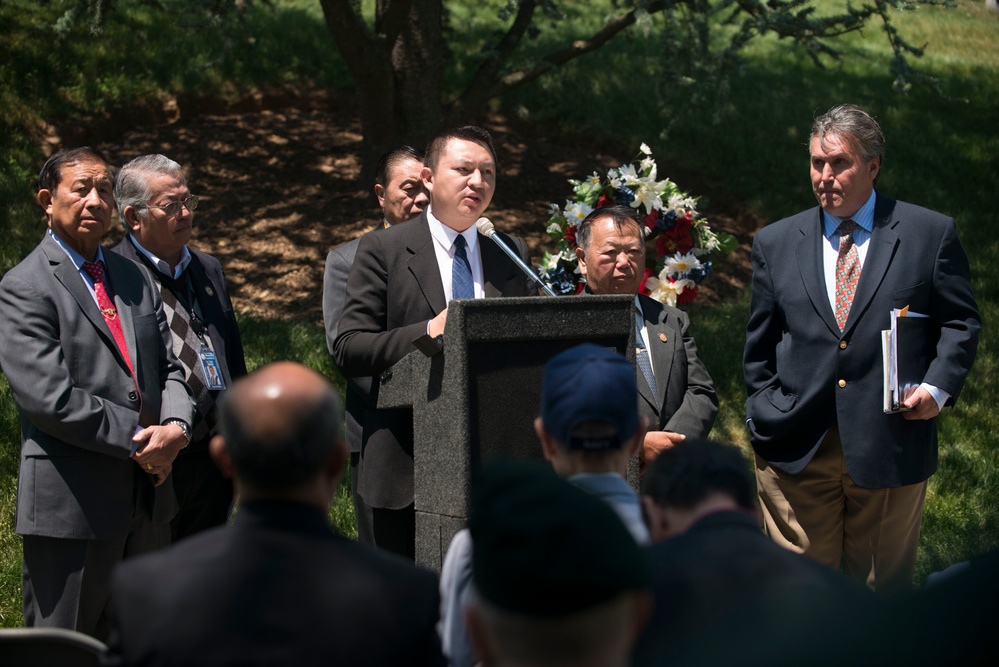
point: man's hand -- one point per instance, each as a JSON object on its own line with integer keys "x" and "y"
{"x": 921, "y": 405}
{"x": 436, "y": 326}
{"x": 657, "y": 442}
{"x": 158, "y": 447}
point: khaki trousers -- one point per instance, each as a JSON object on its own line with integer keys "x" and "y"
{"x": 872, "y": 533}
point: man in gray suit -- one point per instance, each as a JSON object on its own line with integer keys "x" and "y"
{"x": 401, "y": 197}
{"x": 157, "y": 209}
{"x": 102, "y": 402}
{"x": 676, "y": 393}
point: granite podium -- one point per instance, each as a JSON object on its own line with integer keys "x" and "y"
{"x": 476, "y": 399}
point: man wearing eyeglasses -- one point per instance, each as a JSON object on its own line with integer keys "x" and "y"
{"x": 157, "y": 210}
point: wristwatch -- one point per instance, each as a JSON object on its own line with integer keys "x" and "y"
{"x": 184, "y": 425}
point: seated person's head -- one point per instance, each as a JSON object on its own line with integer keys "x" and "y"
{"x": 589, "y": 411}
{"x": 694, "y": 478}
{"x": 280, "y": 435}
{"x": 558, "y": 578}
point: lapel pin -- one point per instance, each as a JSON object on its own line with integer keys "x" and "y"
{"x": 662, "y": 337}
{"x": 208, "y": 290}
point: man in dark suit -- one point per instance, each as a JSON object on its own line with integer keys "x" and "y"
{"x": 401, "y": 197}
{"x": 676, "y": 393}
{"x": 397, "y": 293}
{"x": 157, "y": 210}
{"x": 722, "y": 588}
{"x": 102, "y": 401}
{"x": 813, "y": 359}
{"x": 278, "y": 586}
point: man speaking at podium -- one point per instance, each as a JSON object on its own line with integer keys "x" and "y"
{"x": 398, "y": 290}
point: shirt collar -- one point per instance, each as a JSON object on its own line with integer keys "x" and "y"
{"x": 863, "y": 217}
{"x": 445, "y": 236}
{"x": 162, "y": 266}
{"x": 77, "y": 259}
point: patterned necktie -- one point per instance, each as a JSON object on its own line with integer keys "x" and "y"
{"x": 847, "y": 272}
{"x": 96, "y": 271}
{"x": 462, "y": 286}
{"x": 642, "y": 359}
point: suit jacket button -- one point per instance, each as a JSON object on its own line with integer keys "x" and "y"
{"x": 842, "y": 345}
{"x": 841, "y": 383}
{"x": 132, "y": 395}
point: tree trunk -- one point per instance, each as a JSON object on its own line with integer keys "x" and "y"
{"x": 397, "y": 70}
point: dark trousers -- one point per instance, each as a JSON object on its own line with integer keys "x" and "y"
{"x": 362, "y": 512}
{"x": 395, "y": 530}
{"x": 204, "y": 494}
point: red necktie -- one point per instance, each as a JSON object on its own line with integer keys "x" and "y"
{"x": 110, "y": 313}
{"x": 847, "y": 272}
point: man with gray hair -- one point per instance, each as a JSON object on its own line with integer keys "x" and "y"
{"x": 840, "y": 478}
{"x": 157, "y": 210}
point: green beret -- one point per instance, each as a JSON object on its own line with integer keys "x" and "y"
{"x": 542, "y": 547}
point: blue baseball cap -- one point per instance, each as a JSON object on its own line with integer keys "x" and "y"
{"x": 590, "y": 383}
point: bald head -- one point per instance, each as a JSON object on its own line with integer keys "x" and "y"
{"x": 280, "y": 428}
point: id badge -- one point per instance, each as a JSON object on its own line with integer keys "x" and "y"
{"x": 210, "y": 366}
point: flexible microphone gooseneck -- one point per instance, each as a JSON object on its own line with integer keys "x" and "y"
{"x": 487, "y": 228}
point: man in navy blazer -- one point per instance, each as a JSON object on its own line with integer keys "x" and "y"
{"x": 101, "y": 398}
{"x": 156, "y": 208}
{"x": 839, "y": 479}
{"x": 398, "y": 291}
{"x": 401, "y": 197}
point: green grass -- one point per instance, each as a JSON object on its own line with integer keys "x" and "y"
{"x": 941, "y": 154}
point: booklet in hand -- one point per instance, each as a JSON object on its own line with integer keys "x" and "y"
{"x": 906, "y": 356}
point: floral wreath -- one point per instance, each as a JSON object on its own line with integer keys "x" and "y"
{"x": 683, "y": 239}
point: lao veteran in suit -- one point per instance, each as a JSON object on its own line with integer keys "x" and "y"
{"x": 278, "y": 586}
{"x": 839, "y": 479}
{"x": 101, "y": 399}
{"x": 398, "y": 290}
{"x": 156, "y": 208}
{"x": 401, "y": 197}
{"x": 676, "y": 393}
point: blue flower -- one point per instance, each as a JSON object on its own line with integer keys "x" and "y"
{"x": 624, "y": 195}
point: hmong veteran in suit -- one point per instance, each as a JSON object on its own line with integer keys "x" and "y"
{"x": 157, "y": 209}
{"x": 676, "y": 393}
{"x": 401, "y": 197}
{"x": 398, "y": 291}
{"x": 102, "y": 401}
{"x": 839, "y": 479}
{"x": 278, "y": 586}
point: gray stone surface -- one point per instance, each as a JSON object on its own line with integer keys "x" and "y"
{"x": 477, "y": 400}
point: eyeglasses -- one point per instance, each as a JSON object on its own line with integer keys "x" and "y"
{"x": 173, "y": 208}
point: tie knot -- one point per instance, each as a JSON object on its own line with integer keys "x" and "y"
{"x": 459, "y": 245}
{"x": 95, "y": 270}
{"x": 847, "y": 227}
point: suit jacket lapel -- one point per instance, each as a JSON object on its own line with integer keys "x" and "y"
{"x": 125, "y": 294}
{"x": 661, "y": 348}
{"x": 882, "y": 245}
{"x": 423, "y": 263}
{"x": 69, "y": 276}
{"x": 810, "y": 265}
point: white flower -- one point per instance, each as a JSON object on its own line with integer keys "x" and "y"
{"x": 595, "y": 179}
{"x": 646, "y": 195}
{"x": 554, "y": 228}
{"x": 681, "y": 265}
{"x": 576, "y": 211}
{"x": 665, "y": 291}
{"x": 645, "y": 149}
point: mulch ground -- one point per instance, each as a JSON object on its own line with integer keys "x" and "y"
{"x": 278, "y": 181}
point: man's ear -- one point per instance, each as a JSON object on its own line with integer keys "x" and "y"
{"x": 380, "y": 194}
{"x": 547, "y": 442}
{"x": 581, "y": 256}
{"x": 44, "y": 198}
{"x": 427, "y": 176}
{"x": 131, "y": 217}
{"x": 220, "y": 455}
{"x": 655, "y": 518}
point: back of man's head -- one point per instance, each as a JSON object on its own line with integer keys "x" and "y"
{"x": 686, "y": 474}
{"x": 280, "y": 429}
{"x": 589, "y": 408}
{"x": 558, "y": 578}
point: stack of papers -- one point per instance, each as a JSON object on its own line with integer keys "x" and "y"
{"x": 905, "y": 357}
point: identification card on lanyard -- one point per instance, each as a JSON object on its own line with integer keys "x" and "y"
{"x": 210, "y": 366}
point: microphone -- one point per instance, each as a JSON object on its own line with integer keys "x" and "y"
{"x": 486, "y": 228}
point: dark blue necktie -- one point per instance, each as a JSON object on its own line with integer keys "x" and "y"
{"x": 642, "y": 359}
{"x": 462, "y": 286}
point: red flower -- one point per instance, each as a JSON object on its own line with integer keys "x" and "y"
{"x": 651, "y": 219}
{"x": 604, "y": 201}
{"x": 687, "y": 295}
{"x": 570, "y": 235}
{"x": 642, "y": 289}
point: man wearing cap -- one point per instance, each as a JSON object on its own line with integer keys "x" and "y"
{"x": 589, "y": 427}
{"x": 676, "y": 392}
{"x": 558, "y": 578}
